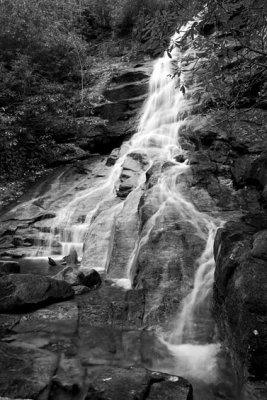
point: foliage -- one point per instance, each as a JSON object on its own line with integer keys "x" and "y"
{"x": 232, "y": 39}
{"x": 154, "y": 31}
{"x": 44, "y": 31}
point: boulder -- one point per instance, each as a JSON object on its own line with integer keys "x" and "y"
{"x": 26, "y": 291}
{"x": 9, "y": 267}
{"x": 91, "y": 279}
{"x": 51, "y": 262}
{"x": 79, "y": 279}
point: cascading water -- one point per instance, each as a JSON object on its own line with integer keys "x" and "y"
{"x": 87, "y": 222}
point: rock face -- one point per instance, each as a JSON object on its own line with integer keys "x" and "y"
{"x": 111, "y": 121}
{"x": 24, "y": 291}
{"x": 114, "y": 119}
{"x": 241, "y": 292}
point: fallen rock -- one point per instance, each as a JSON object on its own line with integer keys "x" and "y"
{"x": 51, "y": 262}
{"x": 91, "y": 280}
{"x": 80, "y": 281}
{"x": 9, "y": 267}
{"x": 23, "y": 291}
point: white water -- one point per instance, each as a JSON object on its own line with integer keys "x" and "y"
{"x": 158, "y": 139}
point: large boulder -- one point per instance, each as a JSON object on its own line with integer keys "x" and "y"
{"x": 25, "y": 291}
{"x": 92, "y": 279}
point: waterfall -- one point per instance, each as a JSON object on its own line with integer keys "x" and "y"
{"x": 157, "y": 140}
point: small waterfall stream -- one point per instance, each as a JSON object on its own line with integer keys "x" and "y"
{"x": 87, "y": 222}
{"x": 157, "y": 140}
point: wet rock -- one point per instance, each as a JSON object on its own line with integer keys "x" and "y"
{"x": 61, "y": 318}
{"x": 16, "y": 253}
{"x": 163, "y": 264}
{"x": 108, "y": 382}
{"x": 126, "y": 91}
{"x": 79, "y": 279}
{"x": 135, "y": 384}
{"x": 24, "y": 291}
{"x": 168, "y": 387}
{"x": 130, "y": 76}
{"x": 25, "y": 372}
{"x": 133, "y": 167}
{"x": 20, "y": 241}
{"x": 111, "y": 110}
{"x": 259, "y": 246}
{"x": 69, "y": 275}
{"x": 125, "y": 236}
{"x": 112, "y": 306}
{"x": 180, "y": 158}
{"x": 113, "y": 157}
{"x": 98, "y": 243}
{"x": 251, "y": 170}
{"x": 52, "y": 262}
{"x": 241, "y": 294}
{"x": 7, "y": 322}
{"x": 91, "y": 279}
{"x": 68, "y": 382}
{"x": 9, "y": 267}
{"x": 6, "y": 242}
{"x": 80, "y": 289}
{"x": 71, "y": 258}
